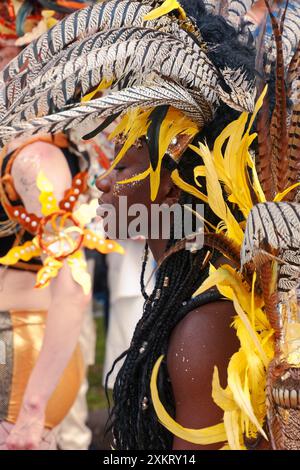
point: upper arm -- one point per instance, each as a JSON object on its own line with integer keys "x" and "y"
{"x": 202, "y": 340}
{"x": 36, "y": 157}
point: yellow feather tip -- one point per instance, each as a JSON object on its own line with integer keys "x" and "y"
{"x": 164, "y": 9}
{"x": 196, "y": 436}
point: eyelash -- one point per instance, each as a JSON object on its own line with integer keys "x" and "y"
{"x": 120, "y": 168}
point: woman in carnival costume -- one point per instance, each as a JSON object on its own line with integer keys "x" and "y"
{"x": 42, "y": 179}
{"x": 178, "y": 76}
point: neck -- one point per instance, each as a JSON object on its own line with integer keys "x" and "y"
{"x": 158, "y": 247}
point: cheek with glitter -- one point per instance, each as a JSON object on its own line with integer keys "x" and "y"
{"x": 120, "y": 189}
{"x": 116, "y": 190}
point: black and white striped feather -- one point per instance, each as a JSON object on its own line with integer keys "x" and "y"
{"x": 116, "y": 102}
{"x": 112, "y": 42}
{"x": 106, "y": 17}
{"x": 146, "y": 51}
{"x": 232, "y": 10}
{"x": 273, "y": 229}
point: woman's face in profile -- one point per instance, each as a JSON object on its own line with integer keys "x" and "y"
{"x": 135, "y": 162}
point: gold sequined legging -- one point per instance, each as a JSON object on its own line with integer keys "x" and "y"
{"x": 21, "y": 336}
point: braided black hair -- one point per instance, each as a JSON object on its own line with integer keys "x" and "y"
{"x": 133, "y": 418}
{"x": 134, "y": 423}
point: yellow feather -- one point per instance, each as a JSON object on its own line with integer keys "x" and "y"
{"x": 280, "y": 196}
{"x": 232, "y": 168}
{"x": 253, "y": 380}
{"x": 173, "y": 125}
{"x": 205, "y": 436}
{"x": 187, "y": 187}
{"x": 250, "y": 330}
{"x": 135, "y": 124}
{"x": 199, "y": 171}
{"x": 237, "y": 366}
{"x": 256, "y": 183}
{"x": 231, "y": 422}
{"x": 257, "y": 107}
{"x": 210, "y": 281}
{"x": 234, "y": 144}
{"x": 222, "y": 397}
{"x": 217, "y": 152}
{"x": 103, "y": 85}
{"x": 140, "y": 177}
{"x": 215, "y": 195}
{"x": 252, "y": 300}
{"x": 164, "y": 9}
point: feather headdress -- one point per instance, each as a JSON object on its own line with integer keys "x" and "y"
{"x": 148, "y": 53}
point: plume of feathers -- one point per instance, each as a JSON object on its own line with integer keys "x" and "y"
{"x": 139, "y": 59}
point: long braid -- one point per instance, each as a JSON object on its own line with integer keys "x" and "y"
{"x": 144, "y": 265}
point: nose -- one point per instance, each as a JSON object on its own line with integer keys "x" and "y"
{"x": 104, "y": 185}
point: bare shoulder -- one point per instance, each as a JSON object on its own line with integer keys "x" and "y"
{"x": 204, "y": 333}
{"x": 202, "y": 340}
{"x": 36, "y": 157}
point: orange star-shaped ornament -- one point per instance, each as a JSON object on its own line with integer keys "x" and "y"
{"x": 60, "y": 235}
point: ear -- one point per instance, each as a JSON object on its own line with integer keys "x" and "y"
{"x": 168, "y": 192}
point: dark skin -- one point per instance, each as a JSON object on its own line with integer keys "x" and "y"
{"x": 203, "y": 339}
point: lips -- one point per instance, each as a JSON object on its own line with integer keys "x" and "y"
{"x": 102, "y": 202}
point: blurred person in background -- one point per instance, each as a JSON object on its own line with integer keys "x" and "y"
{"x": 43, "y": 367}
